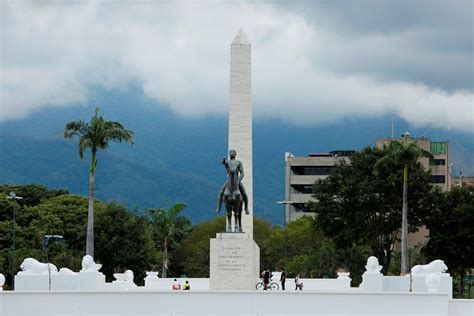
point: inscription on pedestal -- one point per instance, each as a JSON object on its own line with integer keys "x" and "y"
{"x": 230, "y": 260}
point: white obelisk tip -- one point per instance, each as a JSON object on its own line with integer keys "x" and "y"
{"x": 240, "y": 38}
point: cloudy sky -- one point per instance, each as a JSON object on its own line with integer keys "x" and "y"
{"x": 312, "y": 62}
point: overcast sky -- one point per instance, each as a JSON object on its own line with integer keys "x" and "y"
{"x": 312, "y": 62}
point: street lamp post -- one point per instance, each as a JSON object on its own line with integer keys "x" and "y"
{"x": 14, "y": 197}
{"x": 46, "y": 241}
{"x": 285, "y": 203}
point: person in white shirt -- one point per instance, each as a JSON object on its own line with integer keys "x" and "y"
{"x": 298, "y": 283}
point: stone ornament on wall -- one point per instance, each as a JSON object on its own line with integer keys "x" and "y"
{"x": 66, "y": 271}
{"x": 88, "y": 265}
{"x": 436, "y": 266}
{"x": 33, "y": 266}
{"x": 127, "y": 276}
{"x": 2, "y": 281}
{"x": 373, "y": 266}
{"x": 433, "y": 282}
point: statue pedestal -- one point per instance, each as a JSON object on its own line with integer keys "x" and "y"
{"x": 234, "y": 262}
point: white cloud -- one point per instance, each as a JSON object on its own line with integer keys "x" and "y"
{"x": 54, "y": 52}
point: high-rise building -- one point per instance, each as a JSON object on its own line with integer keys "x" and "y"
{"x": 300, "y": 175}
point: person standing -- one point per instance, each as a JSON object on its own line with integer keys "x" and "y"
{"x": 283, "y": 279}
{"x": 266, "y": 279}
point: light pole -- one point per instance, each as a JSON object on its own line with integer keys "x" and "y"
{"x": 285, "y": 203}
{"x": 14, "y": 197}
{"x": 47, "y": 239}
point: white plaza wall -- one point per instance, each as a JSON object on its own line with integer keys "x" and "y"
{"x": 234, "y": 303}
{"x": 461, "y": 308}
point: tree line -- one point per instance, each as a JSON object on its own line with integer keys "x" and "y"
{"x": 315, "y": 247}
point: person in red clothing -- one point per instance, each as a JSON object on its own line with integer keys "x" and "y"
{"x": 176, "y": 286}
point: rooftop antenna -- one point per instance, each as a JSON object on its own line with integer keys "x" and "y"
{"x": 392, "y": 126}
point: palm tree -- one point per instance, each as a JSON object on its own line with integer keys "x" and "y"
{"x": 95, "y": 135}
{"x": 405, "y": 154}
{"x": 169, "y": 226}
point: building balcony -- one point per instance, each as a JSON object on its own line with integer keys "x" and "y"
{"x": 305, "y": 179}
{"x": 301, "y": 198}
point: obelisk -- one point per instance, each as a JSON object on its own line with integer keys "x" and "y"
{"x": 240, "y": 116}
{"x": 234, "y": 261}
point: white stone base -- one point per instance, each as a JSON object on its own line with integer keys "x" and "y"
{"x": 234, "y": 262}
{"x": 372, "y": 282}
{"x": 446, "y": 286}
{"x": 31, "y": 282}
{"x": 90, "y": 281}
{"x": 400, "y": 284}
{"x": 64, "y": 282}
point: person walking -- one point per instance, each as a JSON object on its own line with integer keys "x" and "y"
{"x": 283, "y": 280}
{"x": 298, "y": 283}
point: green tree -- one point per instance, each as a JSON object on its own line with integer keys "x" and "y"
{"x": 61, "y": 215}
{"x": 192, "y": 254}
{"x": 32, "y": 194}
{"x": 353, "y": 260}
{"x": 451, "y": 232}
{"x": 94, "y": 136}
{"x": 124, "y": 241}
{"x": 356, "y": 207}
{"x": 306, "y": 249}
{"x": 169, "y": 227}
{"x": 407, "y": 155}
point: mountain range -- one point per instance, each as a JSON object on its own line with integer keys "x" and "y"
{"x": 178, "y": 159}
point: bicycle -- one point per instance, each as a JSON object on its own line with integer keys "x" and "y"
{"x": 272, "y": 286}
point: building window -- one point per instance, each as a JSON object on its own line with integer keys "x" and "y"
{"x": 438, "y": 147}
{"x": 312, "y": 171}
{"x": 438, "y": 162}
{"x": 438, "y": 179}
{"x": 300, "y": 207}
{"x": 302, "y": 189}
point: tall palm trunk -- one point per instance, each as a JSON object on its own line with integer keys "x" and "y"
{"x": 165, "y": 258}
{"x": 404, "y": 245}
{"x": 90, "y": 209}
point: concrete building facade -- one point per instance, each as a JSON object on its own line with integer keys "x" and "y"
{"x": 300, "y": 175}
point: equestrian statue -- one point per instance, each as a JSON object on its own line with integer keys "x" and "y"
{"x": 233, "y": 192}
